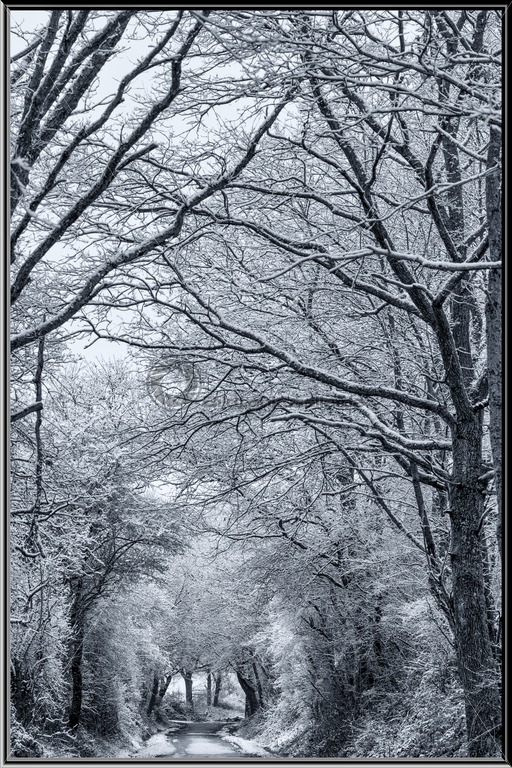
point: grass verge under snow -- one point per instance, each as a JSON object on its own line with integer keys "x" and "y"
{"x": 157, "y": 746}
{"x": 247, "y": 746}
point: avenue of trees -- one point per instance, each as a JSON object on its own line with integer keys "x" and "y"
{"x": 288, "y": 225}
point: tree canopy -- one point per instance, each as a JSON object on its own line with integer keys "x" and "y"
{"x": 288, "y": 225}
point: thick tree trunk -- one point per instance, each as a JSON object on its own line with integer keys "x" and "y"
{"x": 494, "y": 315}
{"x": 259, "y": 686}
{"x": 217, "y": 689}
{"x": 209, "y": 689}
{"x": 187, "y": 676}
{"x": 154, "y": 693}
{"x": 22, "y": 695}
{"x": 252, "y": 703}
{"x": 477, "y": 669}
{"x": 164, "y": 684}
{"x": 77, "y": 648}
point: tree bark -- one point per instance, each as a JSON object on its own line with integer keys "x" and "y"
{"x": 22, "y": 695}
{"x": 252, "y": 703}
{"x": 217, "y": 689}
{"x": 154, "y": 693}
{"x": 77, "y": 648}
{"x": 494, "y": 316}
{"x": 475, "y": 659}
{"x": 259, "y": 686}
{"x": 164, "y": 684}
{"x": 187, "y": 676}
{"x": 209, "y": 688}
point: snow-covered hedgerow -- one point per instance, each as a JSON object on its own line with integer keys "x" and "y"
{"x": 22, "y": 743}
{"x": 428, "y": 723}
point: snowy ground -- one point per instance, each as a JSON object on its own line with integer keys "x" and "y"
{"x": 247, "y": 746}
{"x": 191, "y": 738}
{"x": 158, "y": 745}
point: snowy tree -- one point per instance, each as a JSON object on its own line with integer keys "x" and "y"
{"x": 292, "y": 218}
{"x": 347, "y": 304}
{"x": 94, "y": 530}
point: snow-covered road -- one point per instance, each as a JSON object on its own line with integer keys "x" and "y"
{"x": 200, "y": 740}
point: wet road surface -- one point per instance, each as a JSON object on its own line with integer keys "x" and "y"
{"x": 200, "y": 740}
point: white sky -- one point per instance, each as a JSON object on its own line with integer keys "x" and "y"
{"x": 26, "y": 22}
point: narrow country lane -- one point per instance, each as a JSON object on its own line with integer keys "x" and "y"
{"x": 201, "y": 740}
